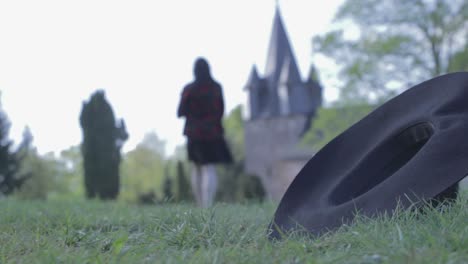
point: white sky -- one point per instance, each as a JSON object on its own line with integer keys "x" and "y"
{"x": 55, "y": 53}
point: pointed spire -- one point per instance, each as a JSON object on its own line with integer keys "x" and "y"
{"x": 285, "y": 72}
{"x": 283, "y": 88}
{"x": 279, "y": 51}
{"x": 253, "y": 79}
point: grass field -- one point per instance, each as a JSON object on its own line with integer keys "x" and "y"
{"x": 106, "y": 232}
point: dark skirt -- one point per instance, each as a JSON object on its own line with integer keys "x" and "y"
{"x": 208, "y": 151}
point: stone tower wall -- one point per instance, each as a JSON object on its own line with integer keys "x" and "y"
{"x": 268, "y": 142}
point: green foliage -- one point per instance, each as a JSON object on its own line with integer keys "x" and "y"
{"x": 152, "y": 142}
{"x": 183, "y": 191}
{"x": 228, "y": 182}
{"x": 107, "y": 232}
{"x": 149, "y": 198}
{"x": 395, "y": 44}
{"x": 71, "y": 164}
{"x": 102, "y": 141}
{"x": 332, "y": 121}
{"x": 234, "y": 184}
{"x": 251, "y": 188}
{"x": 168, "y": 194}
{"x": 459, "y": 61}
{"x": 10, "y": 161}
{"x": 51, "y": 176}
{"x": 143, "y": 168}
{"x": 234, "y": 132}
{"x": 42, "y": 172}
{"x": 175, "y": 185}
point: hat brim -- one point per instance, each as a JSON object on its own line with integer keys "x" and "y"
{"x": 413, "y": 147}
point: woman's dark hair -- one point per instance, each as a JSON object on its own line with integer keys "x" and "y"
{"x": 202, "y": 70}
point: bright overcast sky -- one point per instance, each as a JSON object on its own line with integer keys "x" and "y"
{"x": 54, "y": 54}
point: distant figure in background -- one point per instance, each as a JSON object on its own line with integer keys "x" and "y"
{"x": 202, "y": 106}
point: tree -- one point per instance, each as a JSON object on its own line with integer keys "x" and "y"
{"x": 332, "y": 121}
{"x": 49, "y": 176}
{"x": 397, "y": 44}
{"x": 44, "y": 173}
{"x": 168, "y": 194}
{"x": 10, "y": 161}
{"x": 184, "y": 191}
{"x": 102, "y": 141}
{"x": 251, "y": 188}
{"x": 229, "y": 175}
{"x": 234, "y": 184}
{"x": 234, "y": 130}
{"x": 143, "y": 167}
{"x": 71, "y": 164}
{"x": 151, "y": 141}
{"x": 459, "y": 61}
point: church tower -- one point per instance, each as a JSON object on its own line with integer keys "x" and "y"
{"x": 280, "y": 108}
{"x": 281, "y": 91}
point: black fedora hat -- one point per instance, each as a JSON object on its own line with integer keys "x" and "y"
{"x": 412, "y": 148}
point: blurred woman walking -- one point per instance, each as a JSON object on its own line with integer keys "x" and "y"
{"x": 202, "y": 105}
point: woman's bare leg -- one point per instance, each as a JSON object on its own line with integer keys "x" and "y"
{"x": 209, "y": 185}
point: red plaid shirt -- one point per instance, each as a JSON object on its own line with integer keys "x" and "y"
{"x": 203, "y": 107}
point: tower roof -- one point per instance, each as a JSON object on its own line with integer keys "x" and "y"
{"x": 279, "y": 52}
{"x": 281, "y": 91}
{"x": 253, "y": 79}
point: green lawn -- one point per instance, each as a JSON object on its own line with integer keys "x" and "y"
{"x": 105, "y": 232}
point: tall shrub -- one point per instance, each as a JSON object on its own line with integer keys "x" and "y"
{"x": 103, "y": 138}
{"x": 10, "y": 178}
